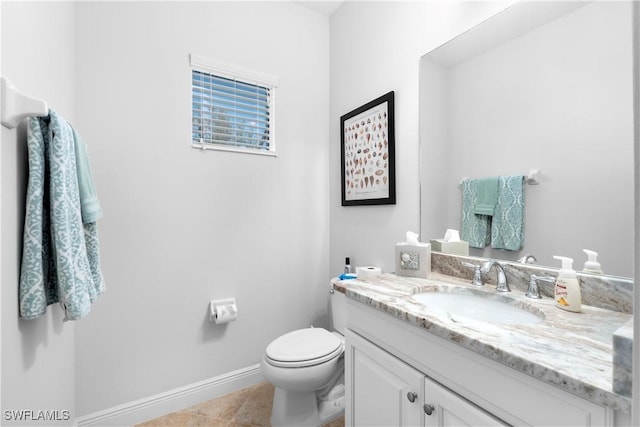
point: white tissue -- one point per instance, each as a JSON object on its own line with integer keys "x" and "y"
{"x": 451, "y": 236}
{"x": 223, "y": 311}
{"x": 368, "y": 271}
{"x": 412, "y": 238}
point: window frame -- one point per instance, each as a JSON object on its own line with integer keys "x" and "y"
{"x": 243, "y": 75}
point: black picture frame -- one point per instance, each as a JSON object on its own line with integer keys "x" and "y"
{"x": 367, "y": 150}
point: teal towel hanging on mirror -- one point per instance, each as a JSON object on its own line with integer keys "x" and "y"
{"x": 475, "y": 228}
{"x": 507, "y": 226}
{"x": 486, "y": 196}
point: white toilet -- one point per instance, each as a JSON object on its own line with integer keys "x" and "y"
{"x": 306, "y": 366}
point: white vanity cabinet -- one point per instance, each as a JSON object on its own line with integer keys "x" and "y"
{"x": 395, "y": 373}
{"x": 384, "y": 391}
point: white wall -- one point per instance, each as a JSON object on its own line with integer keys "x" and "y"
{"x": 37, "y": 355}
{"x": 375, "y": 48}
{"x": 182, "y": 226}
{"x": 558, "y": 98}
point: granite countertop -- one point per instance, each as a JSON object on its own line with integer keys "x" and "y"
{"x": 573, "y": 351}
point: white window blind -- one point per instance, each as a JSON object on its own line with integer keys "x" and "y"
{"x": 231, "y": 108}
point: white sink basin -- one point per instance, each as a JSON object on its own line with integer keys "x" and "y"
{"x": 459, "y": 306}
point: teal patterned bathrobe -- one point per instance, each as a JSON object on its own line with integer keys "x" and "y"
{"x": 61, "y": 256}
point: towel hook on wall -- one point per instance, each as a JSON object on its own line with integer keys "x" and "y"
{"x": 533, "y": 178}
{"x": 17, "y": 106}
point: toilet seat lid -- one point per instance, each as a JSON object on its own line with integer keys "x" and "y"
{"x": 304, "y": 347}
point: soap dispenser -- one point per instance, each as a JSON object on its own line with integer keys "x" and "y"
{"x": 592, "y": 265}
{"x": 567, "y": 289}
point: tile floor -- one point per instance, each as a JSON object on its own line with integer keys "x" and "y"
{"x": 249, "y": 407}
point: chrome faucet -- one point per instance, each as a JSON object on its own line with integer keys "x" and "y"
{"x": 533, "y": 291}
{"x": 527, "y": 259}
{"x": 502, "y": 285}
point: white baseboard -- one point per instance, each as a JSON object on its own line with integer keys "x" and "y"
{"x": 160, "y": 404}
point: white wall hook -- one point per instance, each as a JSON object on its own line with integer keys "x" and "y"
{"x": 534, "y": 177}
{"x": 17, "y": 106}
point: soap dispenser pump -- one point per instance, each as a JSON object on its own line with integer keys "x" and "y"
{"x": 592, "y": 265}
{"x": 567, "y": 289}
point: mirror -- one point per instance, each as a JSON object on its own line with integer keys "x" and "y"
{"x": 541, "y": 85}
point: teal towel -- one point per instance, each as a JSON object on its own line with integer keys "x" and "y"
{"x": 61, "y": 257}
{"x": 89, "y": 204}
{"x": 486, "y": 196}
{"x": 475, "y": 228}
{"x": 507, "y": 227}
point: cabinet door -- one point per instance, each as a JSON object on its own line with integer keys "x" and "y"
{"x": 382, "y": 390}
{"x": 444, "y": 408}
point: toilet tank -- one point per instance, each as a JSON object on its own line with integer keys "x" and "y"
{"x": 338, "y": 311}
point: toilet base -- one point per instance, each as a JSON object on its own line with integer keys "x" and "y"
{"x": 294, "y": 409}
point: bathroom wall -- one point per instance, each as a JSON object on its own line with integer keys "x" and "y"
{"x": 37, "y": 355}
{"x": 375, "y": 48}
{"x": 183, "y": 226}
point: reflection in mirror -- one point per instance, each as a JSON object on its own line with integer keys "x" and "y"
{"x": 542, "y": 85}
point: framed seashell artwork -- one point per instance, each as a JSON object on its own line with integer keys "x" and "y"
{"x": 367, "y": 148}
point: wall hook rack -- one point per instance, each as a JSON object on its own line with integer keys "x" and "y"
{"x": 17, "y": 106}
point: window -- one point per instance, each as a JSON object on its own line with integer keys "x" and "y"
{"x": 232, "y": 108}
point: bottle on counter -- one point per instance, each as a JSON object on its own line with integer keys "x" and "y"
{"x": 567, "y": 289}
{"x": 592, "y": 265}
{"x": 347, "y": 265}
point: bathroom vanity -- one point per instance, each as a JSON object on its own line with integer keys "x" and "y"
{"x": 406, "y": 365}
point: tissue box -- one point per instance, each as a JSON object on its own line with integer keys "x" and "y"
{"x": 454, "y": 248}
{"x": 413, "y": 260}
